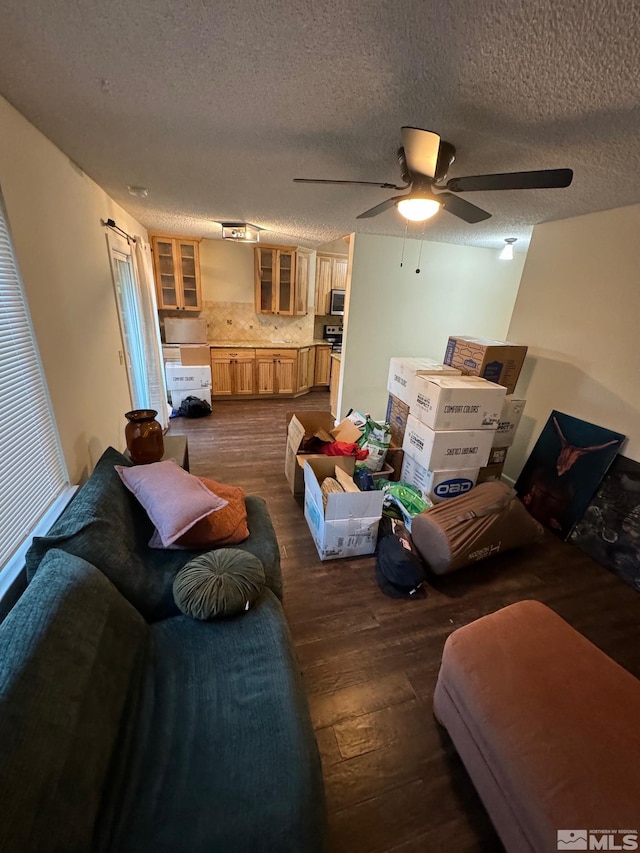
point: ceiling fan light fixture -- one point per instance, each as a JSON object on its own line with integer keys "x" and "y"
{"x": 418, "y": 208}
{"x": 507, "y": 252}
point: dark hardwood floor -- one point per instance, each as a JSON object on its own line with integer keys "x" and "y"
{"x": 394, "y": 783}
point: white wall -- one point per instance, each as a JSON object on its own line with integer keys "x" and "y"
{"x": 578, "y": 309}
{"x": 393, "y": 311}
{"x": 54, "y": 213}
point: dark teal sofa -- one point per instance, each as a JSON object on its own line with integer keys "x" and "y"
{"x": 128, "y": 726}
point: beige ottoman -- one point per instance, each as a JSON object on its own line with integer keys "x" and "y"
{"x": 546, "y": 724}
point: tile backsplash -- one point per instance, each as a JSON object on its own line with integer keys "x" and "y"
{"x": 238, "y": 321}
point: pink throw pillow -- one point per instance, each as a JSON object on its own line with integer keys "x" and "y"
{"x": 174, "y": 500}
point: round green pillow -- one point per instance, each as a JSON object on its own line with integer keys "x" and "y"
{"x": 219, "y": 583}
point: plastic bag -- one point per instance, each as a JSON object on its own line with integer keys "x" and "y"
{"x": 376, "y": 438}
{"x": 405, "y": 499}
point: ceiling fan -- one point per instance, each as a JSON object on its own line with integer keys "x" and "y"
{"x": 424, "y": 161}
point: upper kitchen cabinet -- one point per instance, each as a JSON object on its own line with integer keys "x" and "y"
{"x": 176, "y": 263}
{"x": 281, "y": 280}
{"x": 331, "y": 274}
{"x": 302, "y": 281}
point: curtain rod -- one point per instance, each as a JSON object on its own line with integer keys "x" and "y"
{"x": 110, "y": 223}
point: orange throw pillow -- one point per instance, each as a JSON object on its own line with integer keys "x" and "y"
{"x": 227, "y": 526}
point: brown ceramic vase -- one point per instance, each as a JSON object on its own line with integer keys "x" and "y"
{"x": 144, "y": 436}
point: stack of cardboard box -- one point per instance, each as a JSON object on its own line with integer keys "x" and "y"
{"x": 191, "y": 377}
{"x": 500, "y": 362}
{"x": 450, "y": 432}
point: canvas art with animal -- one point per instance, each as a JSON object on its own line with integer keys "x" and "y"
{"x": 564, "y": 470}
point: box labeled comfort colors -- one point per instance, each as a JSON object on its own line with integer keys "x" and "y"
{"x": 497, "y": 361}
{"x": 402, "y": 372}
{"x": 446, "y": 450}
{"x": 512, "y": 410}
{"x": 438, "y": 485}
{"x": 347, "y": 524}
{"x": 457, "y": 402}
{"x": 181, "y": 376}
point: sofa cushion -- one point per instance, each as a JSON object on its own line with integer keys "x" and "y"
{"x": 173, "y": 499}
{"x": 69, "y": 650}
{"x": 224, "y": 582}
{"x": 227, "y": 526}
{"x": 105, "y": 524}
{"x": 223, "y": 752}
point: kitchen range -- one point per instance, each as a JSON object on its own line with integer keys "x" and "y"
{"x": 333, "y": 336}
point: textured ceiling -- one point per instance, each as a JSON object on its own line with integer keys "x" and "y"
{"x": 215, "y": 107}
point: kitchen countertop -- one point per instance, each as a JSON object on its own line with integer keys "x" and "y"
{"x": 265, "y": 344}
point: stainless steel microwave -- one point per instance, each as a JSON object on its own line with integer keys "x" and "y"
{"x": 336, "y": 304}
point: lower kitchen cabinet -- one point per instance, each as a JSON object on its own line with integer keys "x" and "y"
{"x": 276, "y": 371}
{"x": 322, "y": 365}
{"x": 305, "y": 355}
{"x": 334, "y": 388}
{"x": 233, "y": 372}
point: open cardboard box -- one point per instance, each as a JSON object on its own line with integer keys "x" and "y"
{"x": 348, "y": 525}
{"x": 302, "y": 426}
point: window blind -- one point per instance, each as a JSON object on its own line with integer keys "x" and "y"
{"x": 32, "y": 469}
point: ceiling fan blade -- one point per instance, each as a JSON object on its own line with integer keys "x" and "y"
{"x": 420, "y": 150}
{"x": 379, "y": 208}
{"x": 537, "y": 180}
{"x": 383, "y": 185}
{"x": 463, "y": 209}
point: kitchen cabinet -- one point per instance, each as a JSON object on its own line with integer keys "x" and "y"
{"x": 276, "y": 371}
{"x": 322, "y": 365}
{"x": 305, "y": 356}
{"x": 233, "y": 372}
{"x": 275, "y": 280}
{"x": 176, "y": 264}
{"x": 331, "y": 274}
{"x": 334, "y": 386}
{"x": 303, "y": 262}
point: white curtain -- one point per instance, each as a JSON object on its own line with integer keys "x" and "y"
{"x": 157, "y": 387}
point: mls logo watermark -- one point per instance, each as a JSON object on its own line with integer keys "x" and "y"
{"x": 597, "y": 839}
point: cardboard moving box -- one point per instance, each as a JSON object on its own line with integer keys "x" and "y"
{"x": 497, "y": 361}
{"x": 438, "y": 485}
{"x": 302, "y": 426}
{"x": 195, "y": 354}
{"x": 396, "y": 417}
{"x": 348, "y": 525}
{"x": 457, "y": 402}
{"x": 402, "y": 372}
{"x": 181, "y": 377}
{"x": 446, "y": 450}
{"x": 512, "y": 410}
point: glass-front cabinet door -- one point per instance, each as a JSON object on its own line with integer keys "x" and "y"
{"x": 187, "y": 252}
{"x": 275, "y": 268}
{"x": 165, "y": 273}
{"x": 177, "y": 272}
{"x": 265, "y": 280}
{"x": 286, "y": 282}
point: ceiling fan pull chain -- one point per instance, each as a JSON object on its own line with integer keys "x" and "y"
{"x": 404, "y": 240}
{"x": 420, "y": 252}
